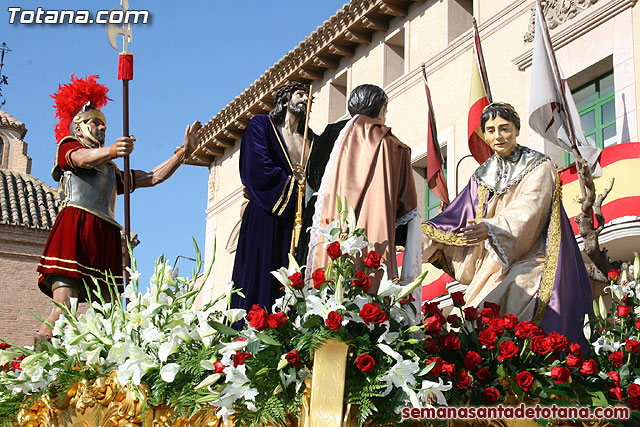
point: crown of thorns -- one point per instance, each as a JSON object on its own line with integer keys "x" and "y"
{"x": 290, "y": 88}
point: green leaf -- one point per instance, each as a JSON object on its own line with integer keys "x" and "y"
{"x": 500, "y": 370}
{"x": 311, "y": 322}
{"x": 223, "y": 329}
{"x": 598, "y": 398}
{"x": 267, "y": 339}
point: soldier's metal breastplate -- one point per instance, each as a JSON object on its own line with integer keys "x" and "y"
{"x": 92, "y": 190}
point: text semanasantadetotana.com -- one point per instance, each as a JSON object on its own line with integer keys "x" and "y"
{"x": 516, "y": 412}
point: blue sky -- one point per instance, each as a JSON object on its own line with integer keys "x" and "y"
{"x": 190, "y": 61}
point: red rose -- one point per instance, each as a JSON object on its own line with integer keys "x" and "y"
{"x": 406, "y": 300}
{"x": 16, "y": 364}
{"x": 540, "y": 345}
{"x": 497, "y": 325}
{"x": 453, "y": 319}
{"x": 297, "y": 281}
{"x": 240, "y": 357}
{"x": 492, "y": 306}
{"x": 634, "y": 390}
{"x": 508, "y": 349}
{"x": 362, "y": 281}
{"x": 450, "y": 342}
{"x": 589, "y": 367}
{"x": 483, "y": 373}
{"x": 334, "y": 321}
{"x": 486, "y": 314}
{"x": 490, "y": 395}
{"x": 638, "y": 324}
{"x": 575, "y": 349}
{"x": 623, "y": 310}
{"x": 433, "y": 325}
{"x": 613, "y": 274}
{"x": 432, "y": 309}
{"x": 218, "y": 366}
{"x": 365, "y": 362}
{"x": 293, "y": 357}
{"x": 617, "y": 358}
{"x": 525, "y": 380}
{"x": 449, "y": 369}
{"x": 318, "y": 278}
{"x": 472, "y": 360}
{"x": 463, "y": 380}
{"x": 471, "y": 313}
{"x": 487, "y": 337}
{"x": 333, "y": 250}
{"x": 371, "y": 313}
{"x": 633, "y": 346}
{"x": 372, "y": 260}
{"x": 615, "y": 392}
{"x": 525, "y": 330}
{"x": 257, "y": 318}
{"x": 560, "y": 374}
{"x": 574, "y": 362}
{"x": 458, "y": 299}
{"x": 276, "y": 320}
{"x": 4, "y": 345}
{"x": 431, "y": 345}
{"x": 615, "y": 376}
{"x": 633, "y": 403}
{"x": 510, "y": 321}
{"x": 558, "y": 342}
{"x": 436, "y": 369}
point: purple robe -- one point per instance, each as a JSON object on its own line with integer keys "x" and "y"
{"x": 267, "y": 222}
{"x": 531, "y": 260}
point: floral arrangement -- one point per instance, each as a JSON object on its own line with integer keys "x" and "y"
{"x": 192, "y": 359}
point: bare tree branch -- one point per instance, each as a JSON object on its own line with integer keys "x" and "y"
{"x": 590, "y": 233}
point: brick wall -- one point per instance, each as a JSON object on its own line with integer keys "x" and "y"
{"x": 20, "y": 250}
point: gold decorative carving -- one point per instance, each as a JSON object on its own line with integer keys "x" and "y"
{"x": 557, "y": 12}
{"x": 327, "y": 389}
{"x": 105, "y": 402}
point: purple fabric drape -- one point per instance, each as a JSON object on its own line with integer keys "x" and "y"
{"x": 572, "y": 295}
{"x": 461, "y": 209}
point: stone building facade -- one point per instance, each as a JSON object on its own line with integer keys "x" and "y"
{"x": 28, "y": 208}
{"x": 386, "y": 42}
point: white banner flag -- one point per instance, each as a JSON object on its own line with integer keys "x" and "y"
{"x": 547, "y": 116}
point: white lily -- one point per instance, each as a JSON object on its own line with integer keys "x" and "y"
{"x": 354, "y": 245}
{"x": 169, "y": 371}
{"x": 388, "y": 287}
{"x": 234, "y": 314}
{"x": 210, "y": 380}
{"x": 321, "y": 306}
{"x": 168, "y": 348}
{"x": 432, "y": 391}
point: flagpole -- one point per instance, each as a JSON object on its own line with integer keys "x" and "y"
{"x": 563, "y": 96}
{"x": 483, "y": 67}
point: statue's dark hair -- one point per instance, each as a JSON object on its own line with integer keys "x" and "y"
{"x": 283, "y": 96}
{"x": 502, "y": 109}
{"x": 367, "y": 100}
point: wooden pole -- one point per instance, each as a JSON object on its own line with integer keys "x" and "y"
{"x": 297, "y": 228}
{"x": 482, "y": 66}
{"x": 127, "y": 183}
{"x": 563, "y": 96}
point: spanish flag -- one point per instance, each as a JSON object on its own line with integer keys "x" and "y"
{"x": 479, "y": 97}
